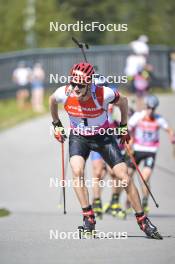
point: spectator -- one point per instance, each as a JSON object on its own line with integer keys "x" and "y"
{"x": 21, "y": 77}
{"x": 134, "y": 63}
{"x": 140, "y": 46}
{"x": 138, "y": 70}
{"x": 37, "y": 85}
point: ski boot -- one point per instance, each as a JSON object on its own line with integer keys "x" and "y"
{"x": 97, "y": 207}
{"x": 116, "y": 209}
{"x": 88, "y": 228}
{"x": 147, "y": 227}
{"x": 145, "y": 206}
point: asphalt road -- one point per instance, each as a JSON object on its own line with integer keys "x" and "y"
{"x": 30, "y": 159}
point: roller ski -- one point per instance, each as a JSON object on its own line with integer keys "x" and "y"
{"x": 87, "y": 230}
{"x": 97, "y": 208}
{"x": 107, "y": 208}
{"x": 116, "y": 211}
{"x": 114, "y": 208}
{"x": 147, "y": 227}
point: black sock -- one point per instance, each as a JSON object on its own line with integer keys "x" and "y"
{"x": 87, "y": 208}
{"x": 139, "y": 214}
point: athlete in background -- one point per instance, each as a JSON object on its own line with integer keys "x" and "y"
{"x": 144, "y": 127}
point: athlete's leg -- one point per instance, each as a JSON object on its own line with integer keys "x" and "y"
{"x": 121, "y": 172}
{"x": 115, "y": 207}
{"x": 146, "y": 173}
{"x": 116, "y": 187}
{"x": 149, "y": 162}
{"x": 98, "y": 173}
{"x": 131, "y": 172}
{"x": 79, "y": 152}
{"x": 77, "y": 164}
{"x": 113, "y": 157}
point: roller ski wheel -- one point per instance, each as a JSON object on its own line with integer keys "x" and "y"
{"x": 148, "y": 228}
{"x": 122, "y": 215}
{"x": 116, "y": 211}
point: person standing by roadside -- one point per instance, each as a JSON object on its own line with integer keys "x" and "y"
{"x": 37, "y": 86}
{"x": 21, "y": 77}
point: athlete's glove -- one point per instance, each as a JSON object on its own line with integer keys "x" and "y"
{"x": 124, "y": 134}
{"x": 59, "y": 131}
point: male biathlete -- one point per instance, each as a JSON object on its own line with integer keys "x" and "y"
{"x": 86, "y": 105}
{"x": 144, "y": 127}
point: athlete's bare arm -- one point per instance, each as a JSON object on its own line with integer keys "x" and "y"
{"x": 123, "y": 106}
{"x": 53, "y": 107}
{"x": 171, "y": 134}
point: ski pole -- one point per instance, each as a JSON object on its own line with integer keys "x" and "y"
{"x": 139, "y": 172}
{"x": 63, "y": 177}
{"x": 65, "y": 173}
{"x": 81, "y": 46}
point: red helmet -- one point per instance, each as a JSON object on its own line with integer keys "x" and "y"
{"x": 82, "y": 73}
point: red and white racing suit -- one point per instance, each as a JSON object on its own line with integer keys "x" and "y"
{"x": 90, "y": 118}
{"x": 145, "y": 131}
{"x": 87, "y": 115}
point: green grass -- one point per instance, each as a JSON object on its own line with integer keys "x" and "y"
{"x": 10, "y": 114}
{"x": 158, "y": 90}
{"x": 4, "y": 212}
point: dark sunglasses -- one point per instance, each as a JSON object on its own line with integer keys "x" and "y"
{"x": 80, "y": 86}
{"x": 151, "y": 108}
